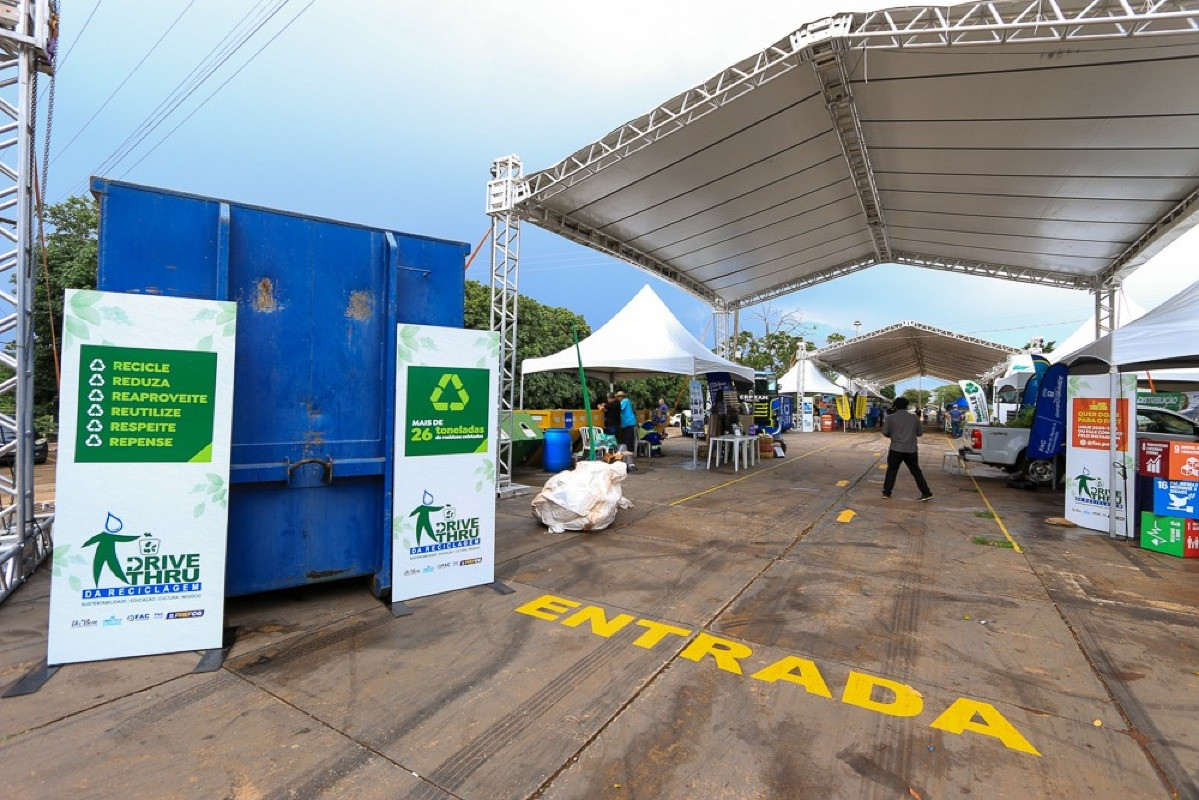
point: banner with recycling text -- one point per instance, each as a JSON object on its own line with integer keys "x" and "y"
{"x": 141, "y": 512}
{"x": 446, "y": 443}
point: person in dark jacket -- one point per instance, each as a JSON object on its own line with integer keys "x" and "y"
{"x": 612, "y": 416}
{"x": 903, "y": 428}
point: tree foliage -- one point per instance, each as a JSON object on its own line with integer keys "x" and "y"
{"x": 944, "y": 395}
{"x": 71, "y": 256}
{"x": 918, "y": 398}
{"x": 888, "y": 391}
{"x": 833, "y": 338}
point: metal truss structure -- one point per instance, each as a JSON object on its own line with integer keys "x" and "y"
{"x": 689, "y": 212}
{"x": 25, "y": 39}
{"x": 911, "y": 349}
{"x": 824, "y": 48}
{"x": 503, "y": 190}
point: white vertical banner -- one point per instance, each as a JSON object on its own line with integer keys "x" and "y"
{"x": 141, "y": 511}
{"x": 1089, "y": 466}
{"x": 443, "y": 499}
{"x": 807, "y": 415}
{"x": 977, "y": 399}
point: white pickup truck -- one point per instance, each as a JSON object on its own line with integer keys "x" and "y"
{"x": 1005, "y": 447}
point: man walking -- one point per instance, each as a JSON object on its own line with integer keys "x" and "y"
{"x": 902, "y": 429}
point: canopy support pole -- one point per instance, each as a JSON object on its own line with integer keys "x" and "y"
{"x": 503, "y": 191}
{"x": 724, "y": 346}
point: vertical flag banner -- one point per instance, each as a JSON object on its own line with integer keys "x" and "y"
{"x": 807, "y": 415}
{"x": 443, "y": 498}
{"x": 142, "y": 501}
{"x": 1089, "y": 489}
{"x": 976, "y": 399}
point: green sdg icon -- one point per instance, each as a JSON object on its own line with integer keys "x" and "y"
{"x": 447, "y": 411}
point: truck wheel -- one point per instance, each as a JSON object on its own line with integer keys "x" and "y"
{"x": 1039, "y": 471}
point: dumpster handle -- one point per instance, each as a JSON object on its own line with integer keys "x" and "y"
{"x": 326, "y": 463}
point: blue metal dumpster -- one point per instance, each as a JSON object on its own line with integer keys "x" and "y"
{"x": 314, "y": 401}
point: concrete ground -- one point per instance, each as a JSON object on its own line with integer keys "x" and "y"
{"x": 731, "y": 636}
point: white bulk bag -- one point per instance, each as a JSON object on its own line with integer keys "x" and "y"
{"x": 582, "y": 499}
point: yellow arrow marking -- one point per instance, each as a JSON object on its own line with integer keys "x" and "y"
{"x": 846, "y": 515}
{"x": 876, "y": 455}
{"x": 842, "y": 483}
{"x": 882, "y": 466}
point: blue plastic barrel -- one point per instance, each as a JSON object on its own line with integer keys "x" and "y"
{"x": 555, "y": 455}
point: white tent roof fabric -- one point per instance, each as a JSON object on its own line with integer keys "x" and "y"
{"x": 1127, "y": 310}
{"x": 1166, "y": 337}
{"x": 813, "y": 381}
{"x": 1050, "y": 143}
{"x": 909, "y": 349}
{"x": 643, "y": 339}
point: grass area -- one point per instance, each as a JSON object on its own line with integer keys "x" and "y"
{"x": 992, "y": 542}
{"x": 985, "y": 514}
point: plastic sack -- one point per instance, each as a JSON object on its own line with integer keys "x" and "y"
{"x": 583, "y": 499}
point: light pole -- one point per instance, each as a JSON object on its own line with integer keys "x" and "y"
{"x": 857, "y": 326}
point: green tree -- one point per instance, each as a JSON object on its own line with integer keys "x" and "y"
{"x": 944, "y": 395}
{"x": 541, "y": 331}
{"x": 71, "y": 255}
{"x": 1046, "y": 347}
{"x": 918, "y": 398}
{"x": 888, "y": 391}
{"x": 833, "y": 338}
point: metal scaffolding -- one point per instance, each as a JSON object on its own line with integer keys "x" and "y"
{"x": 25, "y": 39}
{"x": 502, "y": 192}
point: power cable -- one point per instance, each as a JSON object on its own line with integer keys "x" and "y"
{"x": 222, "y": 86}
{"x": 82, "y": 30}
{"x": 218, "y": 55}
{"x": 121, "y": 85}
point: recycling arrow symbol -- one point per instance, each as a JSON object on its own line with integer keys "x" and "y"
{"x": 93, "y": 441}
{"x": 94, "y": 426}
{"x": 447, "y": 380}
{"x": 95, "y": 411}
{"x": 96, "y": 380}
{"x": 95, "y": 395}
{"x": 96, "y": 365}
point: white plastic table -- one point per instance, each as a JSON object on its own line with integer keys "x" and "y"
{"x": 741, "y": 447}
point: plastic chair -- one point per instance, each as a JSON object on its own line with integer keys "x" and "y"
{"x": 644, "y": 443}
{"x": 585, "y": 435}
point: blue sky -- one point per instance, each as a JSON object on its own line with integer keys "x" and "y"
{"x": 390, "y": 114}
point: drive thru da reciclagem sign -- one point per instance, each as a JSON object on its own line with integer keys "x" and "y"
{"x": 443, "y": 497}
{"x": 142, "y": 479}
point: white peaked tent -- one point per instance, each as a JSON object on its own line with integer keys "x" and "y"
{"x": 813, "y": 381}
{"x": 1127, "y": 310}
{"x": 643, "y": 339}
{"x": 1166, "y": 337}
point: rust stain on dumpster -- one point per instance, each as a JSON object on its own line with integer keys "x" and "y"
{"x": 264, "y": 298}
{"x": 360, "y": 307}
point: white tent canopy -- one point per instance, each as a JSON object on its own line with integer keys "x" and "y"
{"x": 1167, "y": 336}
{"x": 813, "y": 381}
{"x": 642, "y": 340}
{"x": 1126, "y": 310}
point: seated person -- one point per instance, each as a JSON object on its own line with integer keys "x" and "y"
{"x": 646, "y": 431}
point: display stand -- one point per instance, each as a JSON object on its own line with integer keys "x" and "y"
{"x": 33, "y": 680}
{"x": 212, "y": 660}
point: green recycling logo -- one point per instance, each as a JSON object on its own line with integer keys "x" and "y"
{"x": 448, "y": 380}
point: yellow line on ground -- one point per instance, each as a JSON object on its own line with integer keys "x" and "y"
{"x": 842, "y": 483}
{"x": 751, "y": 474}
{"x": 994, "y": 513}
